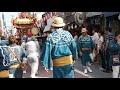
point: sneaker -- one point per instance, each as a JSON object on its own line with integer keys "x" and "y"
{"x": 11, "y": 76}
{"x": 88, "y": 68}
{"x": 85, "y": 71}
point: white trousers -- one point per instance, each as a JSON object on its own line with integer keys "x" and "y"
{"x": 33, "y": 61}
{"x": 116, "y": 72}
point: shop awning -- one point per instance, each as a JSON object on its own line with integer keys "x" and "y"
{"x": 106, "y": 14}
{"x": 91, "y": 14}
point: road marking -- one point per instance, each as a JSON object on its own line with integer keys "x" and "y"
{"x": 42, "y": 77}
{"x": 78, "y": 71}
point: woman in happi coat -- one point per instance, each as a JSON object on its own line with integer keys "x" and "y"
{"x": 85, "y": 48}
{"x": 4, "y": 61}
{"x": 61, "y": 48}
{"x": 114, "y": 48}
{"x": 17, "y": 54}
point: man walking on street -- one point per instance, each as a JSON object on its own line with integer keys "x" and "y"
{"x": 85, "y": 48}
{"x": 61, "y": 48}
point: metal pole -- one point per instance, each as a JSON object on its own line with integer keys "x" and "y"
{"x": 84, "y": 18}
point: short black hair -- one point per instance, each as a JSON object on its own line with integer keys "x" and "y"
{"x": 102, "y": 32}
{"x": 117, "y": 33}
{"x": 109, "y": 29}
{"x": 95, "y": 30}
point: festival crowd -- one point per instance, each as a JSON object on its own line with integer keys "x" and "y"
{"x": 59, "y": 51}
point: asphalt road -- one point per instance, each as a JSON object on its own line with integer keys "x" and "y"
{"x": 97, "y": 72}
{"x": 43, "y": 74}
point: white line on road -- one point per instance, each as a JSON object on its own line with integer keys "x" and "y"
{"x": 83, "y": 73}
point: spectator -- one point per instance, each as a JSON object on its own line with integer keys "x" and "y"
{"x": 114, "y": 49}
{"x": 95, "y": 39}
{"x": 101, "y": 49}
{"x": 109, "y": 37}
{"x": 76, "y": 37}
{"x": 24, "y": 36}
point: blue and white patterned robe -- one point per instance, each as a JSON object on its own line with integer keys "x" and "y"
{"x": 58, "y": 44}
{"x": 85, "y": 42}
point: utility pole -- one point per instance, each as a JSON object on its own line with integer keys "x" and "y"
{"x": 3, "y": 19}
{"x": 0, "y": 28}
{"x": 84, "y": 19}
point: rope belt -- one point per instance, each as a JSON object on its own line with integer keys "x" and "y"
{"x": 62, "y": 61}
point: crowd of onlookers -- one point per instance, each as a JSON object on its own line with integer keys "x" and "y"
{"x": 17, "y": 54}
{"x": 107, "y": 50}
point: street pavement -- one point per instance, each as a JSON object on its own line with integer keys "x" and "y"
{"x": 97, "y": 72}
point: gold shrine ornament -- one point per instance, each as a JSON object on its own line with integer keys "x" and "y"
{"x": 23, "y": 21}
{"x": 34, "y": 31}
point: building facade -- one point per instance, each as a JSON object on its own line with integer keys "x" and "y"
{"x": 111, "y": 19}
{"x": 93, "y": 19}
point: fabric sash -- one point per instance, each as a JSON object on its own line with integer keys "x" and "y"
{"x": 62, "y": 61}
{"x": 4, "y": 74}
{"x": 15, "y": 66}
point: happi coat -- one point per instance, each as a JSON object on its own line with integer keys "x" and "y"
{"x": 58, "y": 44}
{"x": 85, "y": 42}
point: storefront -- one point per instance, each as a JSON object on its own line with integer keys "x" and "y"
{"x": 112, "y": 21}
{"x": 72, "y": 27}
{"x": 74, "y": 22}
{"x": 94, "y": 20}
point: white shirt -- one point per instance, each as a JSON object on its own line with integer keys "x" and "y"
{"x": 101, "y": 38}
{"x": 100, "y": 42}
{"x": 31, "y": 47}
{"x": 95, "y": 38}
